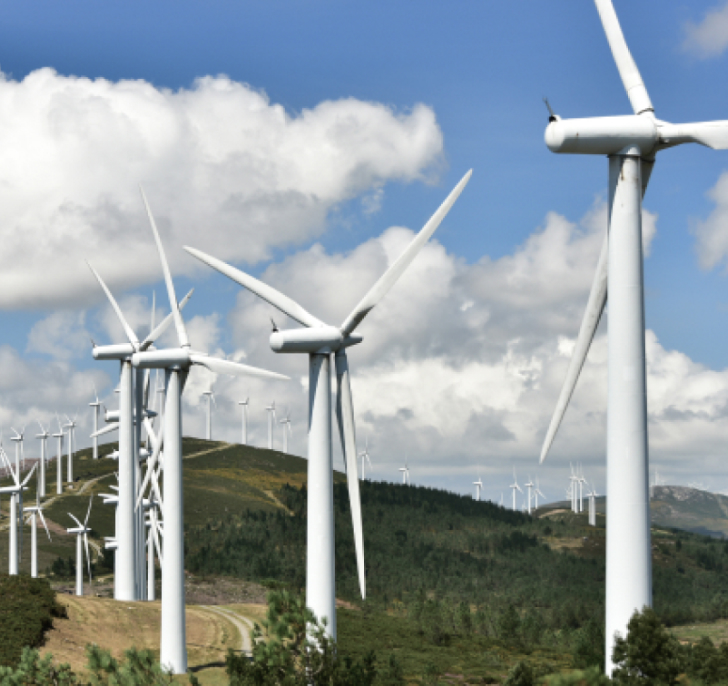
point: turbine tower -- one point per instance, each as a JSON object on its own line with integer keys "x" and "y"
{"x": 19, "y": 447}
{"x": 319, "y": 341}
{"x": 208, "y": 417}
{"x": 515, "y": 487}
{"x": 177, "y": 363}
{"x": 529, "y": 485}
{"x": 364, "y": 455}
{"x": 286, "y": 430}
{"x": 95, "y": 409}
{"x": 478, "y": 485}
{"x": 81, "y": 531}
{"x": 631, "y": 143}
{"x": 35, "y": 511}
{"x": 41, "y": 486}
{"x": 271, "y": 410}
{"x": 16, "y": 512}
{"x": 71, "y": 426}
{"x": 244, "y": 404}
{"x": 537, "y": 492}
{"x": 59, "y": 459}
{"x": 405, "y": 472}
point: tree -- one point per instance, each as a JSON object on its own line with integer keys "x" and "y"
{"x": 649, "y": 654}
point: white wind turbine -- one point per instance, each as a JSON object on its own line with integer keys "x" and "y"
{"x": 581, "y": 481}
{"x": 177, "y": 362}
{"x": 364, "y": 455}
{"x": 478, "y": 485}
{"x": 35, "y": 511}
{"x": 18, "y": 439}
{"x": 81, "y": 531}
{"x": 130, "y": 417}
{"x": 16, "y": 509}
{"x": 43, "y": 436}
{"x": 59, "y": 459}
{"x": 537, "y": 492}
{"x": 208, "y": 417}
{"x": 319, "y": 341}
{"x": 515, "y": 487}
{"x": 631, "y": 143}
{"x": 405, "y": 472}
{"x": 71, "y": 426}
{"x": 271, "y": 410}
{"x": 286, "y": 421}
{"x": 529, "y": 485}
{"x": 592, "y": 495}
{"x": 95, "y": 409}
{"x": 244, "y": 404}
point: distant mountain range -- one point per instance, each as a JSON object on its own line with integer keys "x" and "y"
{"x": 679, "y": 507}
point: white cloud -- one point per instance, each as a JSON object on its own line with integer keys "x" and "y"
{"x": 218, "y": 159}
{"x": 712, "y": 233}
{"x": 708, "y": 37}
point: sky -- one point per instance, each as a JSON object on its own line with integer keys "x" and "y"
{"x": 305, "y": 142}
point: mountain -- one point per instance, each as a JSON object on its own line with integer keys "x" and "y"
{"x": 690, "y": 509}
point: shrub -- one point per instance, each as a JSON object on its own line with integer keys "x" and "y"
{"x": 27, "y": 609}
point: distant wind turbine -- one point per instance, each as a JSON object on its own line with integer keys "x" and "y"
{"x": 81, "y": 531}
{"x": 244, "y": 405}
{"x": 478, "y": 485}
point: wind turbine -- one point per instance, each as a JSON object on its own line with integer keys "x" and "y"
{"x": 16, "y": 509}
{"x": 478, "y": 485}
{"x": 81, "y": 531}
{"x": 244, "y": 404}
{"x": 405, "y": 472}
{"x": 35, "y": 511}
{"x": 41, "y": 486}
{"x": 319, "y": 342}
{"x": 592, "y": 495}
{"x": 95, "y": 405}
{"x": 19, "y": 447}
{"x": 71, "y": 426}
{"x": 529, "y": 485}
{"x": 537, "y": 492}
{"x": 59, "y": 459}
{"x": 631, "y": 143}
{"x": 286, "y": 430}
{"x": 515, "y": 488}
{"x": 365, "y": 458}
{"x": 271, "y": 410}
{"x": 208, "y": 418}
{"x": 581, "y": 480}
{"x": 127, "y": 578}
{"x": 177, "y": 363}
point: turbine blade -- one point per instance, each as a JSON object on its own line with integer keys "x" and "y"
{"x": 633, "y": 84}
{"x": 42, "y": 519}
{"x": 114, "y": 426}
{"x": 347, "y": 431}
{"x": 127, "y": 329}
{"x": 88, "y": 556}
{"x": 179, "y": 324}
{"x": 712, "y": 134}
{"x": 75, "y": 520}
{"x": 151, "y": 463}
{"x": 90, "y": 502}
{"x": 215, "y": 364}
{"x": 164, "y": 324}
{"x": 391, "y": 276}
{"x": 30, "y": 473}
{"x": 594, "y": 309}
{"x": 267, "y": 293}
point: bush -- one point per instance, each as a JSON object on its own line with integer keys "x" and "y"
{"x": 649, "y": 654}
{"x": 590, "y": 677}
{"x": 297, "y": 652}
{"x": 521, "y": 674}
{"x": 27, "y": 609}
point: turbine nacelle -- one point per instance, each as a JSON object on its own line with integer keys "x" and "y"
{"x": 318, "y": 339}
{"x": 603, "y": 135}
{"x": 166, "y": 358}
{"x": 113, "y": 352}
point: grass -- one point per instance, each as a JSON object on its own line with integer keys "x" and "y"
{"x": 470, "y": 659}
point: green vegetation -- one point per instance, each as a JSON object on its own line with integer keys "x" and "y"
{"x": 27, "y": 611}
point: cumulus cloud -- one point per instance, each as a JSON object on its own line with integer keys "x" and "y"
{"x": 712, "y": 233}
{"x": 217, "y": 158}
{"x": 708, "y": 37}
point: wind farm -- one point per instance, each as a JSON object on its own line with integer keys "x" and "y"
{"x": 531, "y": 480}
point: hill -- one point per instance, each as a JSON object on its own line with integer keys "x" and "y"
{"x": 679, "y": 507}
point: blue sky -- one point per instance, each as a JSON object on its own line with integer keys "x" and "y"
{"x": 482, "y": 68}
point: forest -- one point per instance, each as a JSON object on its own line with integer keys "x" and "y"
{"x": 476, "y": 561}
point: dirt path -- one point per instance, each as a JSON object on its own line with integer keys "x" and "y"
{"x": 242, "y": 624}
{"x": 224, "y": 446}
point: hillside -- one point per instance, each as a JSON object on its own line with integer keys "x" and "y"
{"x": 679, "y": 507}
